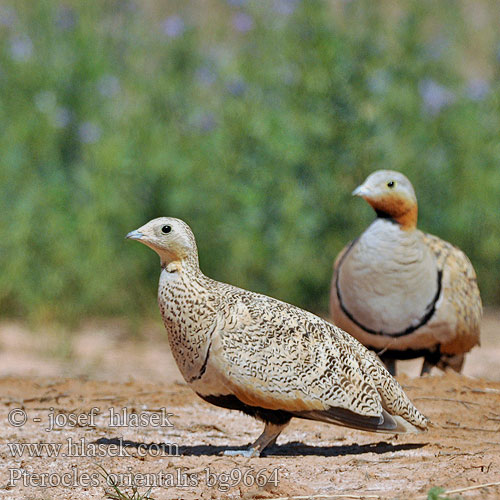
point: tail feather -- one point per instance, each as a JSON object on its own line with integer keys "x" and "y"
{"x": 394, "y": 399}
{"x": 385, "y": 423}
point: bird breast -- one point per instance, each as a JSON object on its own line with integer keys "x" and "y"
{"x": 388, "y": 279}
{"x": 189, "y": 317}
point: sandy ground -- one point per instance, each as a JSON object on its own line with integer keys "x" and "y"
{"x": 174, "y": 441}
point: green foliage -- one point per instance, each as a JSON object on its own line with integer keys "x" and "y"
{"x": 436, "y": 493}
{"x": 113, "y": 492}
{"x": 252, "y": 121}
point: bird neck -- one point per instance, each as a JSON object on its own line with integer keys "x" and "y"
{"x": 406, "y": 219}
{"x": 186, "y": 262}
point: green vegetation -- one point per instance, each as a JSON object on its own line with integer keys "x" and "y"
{"x": 113, "y": 492}
{"x": 437, "y": 493}
{"x": 253, "y": 121}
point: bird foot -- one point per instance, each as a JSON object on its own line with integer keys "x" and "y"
{"x": 248, "y": 453}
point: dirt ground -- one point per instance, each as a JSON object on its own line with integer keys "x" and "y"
{"x": 75, "y": 392}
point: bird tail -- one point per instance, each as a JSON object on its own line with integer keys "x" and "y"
{"x": 395, "y": 400}
{"x": 385, "y": 423}
{"x": 404, "y": 427}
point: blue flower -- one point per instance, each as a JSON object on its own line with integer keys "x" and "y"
{"x": 21, "y": 48}
{"x": 66, "y": 18}
{"x": 285, "y": 7}
{"x": 242, "y": 22}
{"x": 46, "y": 101}
{"x": 437, "y": 48}
{"x": 435, "y": 96}
{"x": 7, "y": 16}
{"x": 206, "y": 76}
{"x": 89, "y": 132}
{"x": 478, "y": 89}
{"x": 204, "y": 121}
{"x": 108, "y": 85}
{"x": 289, "y": 74}
{"x": 379, "y": 82}
{"x": 236, "y": 87}
{"x": 174, "y": 26}
{"x": 62, "y": 117}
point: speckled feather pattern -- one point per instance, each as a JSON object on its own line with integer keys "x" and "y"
{"x": 460, "y": 290}
{"x": 270, "y": 354}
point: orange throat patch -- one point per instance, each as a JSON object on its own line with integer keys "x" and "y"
{"x": 402, "y": 210}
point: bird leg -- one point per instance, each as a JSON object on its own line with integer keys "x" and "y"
{"x": 267, "y": 438}
{"x": 390, "y": 364}
{"x": 455, "y": 362}
{"x": 431, "y": 359}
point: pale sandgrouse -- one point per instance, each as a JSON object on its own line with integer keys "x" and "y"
{"x": 242, "y": 350}
{"x": 400, "y": 291}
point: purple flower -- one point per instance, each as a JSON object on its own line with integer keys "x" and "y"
{"x": 66, "y": 18}
{"x": 435, "y": 96}
{"x": 236, "y": 88}
{"x": 242, "y": 22}
{"x": 379, "y": 82}
{"x": 207, "y": 122}
{"x": 62, "y": 117}
{"x": 204, "y": 122}
{"x": 478, "y": 89}
{"x": 174, "y": 26}
{"x": 437, "y": 47}
{"x": 289, "y": 74}
{"x": 237, "y": 3}
{"x": 21, "y": 48}
{"x": 7, "y": 16}
{"x": 206, "y": 76}
{"x": 45, "y": 101}
{"x": 108, "y": 85}
{"x": 89, "y": 132}
{"x": 285, "y": 7}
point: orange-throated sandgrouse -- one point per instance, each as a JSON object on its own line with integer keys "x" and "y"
{"x": 245, "y": 351}
{"x": 400, "y": 291}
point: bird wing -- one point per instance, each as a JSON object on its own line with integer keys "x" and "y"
{"x": 339, "y": 258}
{"x": 276, "y": 356}
{"x": 461, "y": 299}
{"x": 337, "y": 315}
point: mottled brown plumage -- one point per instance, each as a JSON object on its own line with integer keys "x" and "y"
{"x": 242, "y": 350}
{"x": 402, "y": 292}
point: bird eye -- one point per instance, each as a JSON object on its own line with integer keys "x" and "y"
{"x": 166, "y": 229}
{"x": 391, "y": 184}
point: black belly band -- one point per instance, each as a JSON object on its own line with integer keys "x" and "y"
{"x": 431, "y": 308}
{"x": 231, "y": 402}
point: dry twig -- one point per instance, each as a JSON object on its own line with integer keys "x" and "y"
{"x": 470, "y": 488}
{"x": 435, "y": 398}
{"x": 475, "y": 429}
{"x": 462, "y": 490}
{"x": 327, "y": 497}
{"x": 487, "y": 390}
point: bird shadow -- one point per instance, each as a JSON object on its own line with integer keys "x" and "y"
{"x": 291, "y": 449}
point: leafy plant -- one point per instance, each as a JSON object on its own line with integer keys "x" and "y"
{"x": 254, "y": 125}
{"x": 437, "y": 493}
{"x": 113, "y": 492}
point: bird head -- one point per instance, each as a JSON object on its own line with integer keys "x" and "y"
{"x": 392, "y": 196}
{"x": 172, "y": 239}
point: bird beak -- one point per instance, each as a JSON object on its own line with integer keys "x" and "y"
{"x": 361, "y": 191}
{"x": 134, "y": 235}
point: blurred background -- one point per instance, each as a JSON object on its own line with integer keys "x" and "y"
{"x": 251, "y": 120}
